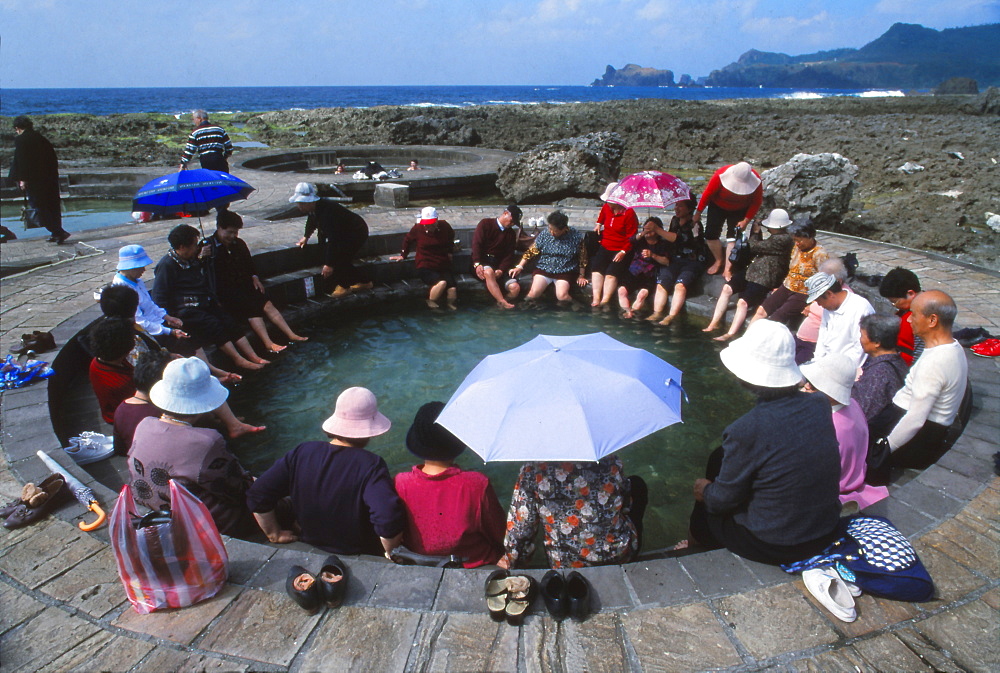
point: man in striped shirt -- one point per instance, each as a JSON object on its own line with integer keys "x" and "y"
{"x": 209, "y": 142}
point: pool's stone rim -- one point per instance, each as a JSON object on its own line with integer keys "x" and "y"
{"x": 925, "y": 507}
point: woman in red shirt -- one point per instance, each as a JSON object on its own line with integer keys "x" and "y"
{"x": 617, "y": 226}
{"x": 733, "y": 196}
{"x": 448, "y": 510}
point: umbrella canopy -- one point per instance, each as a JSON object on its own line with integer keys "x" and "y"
{"x": 649, "y": 189}
{"x": 195, "y": 190}
{"x": 573, "y": 398}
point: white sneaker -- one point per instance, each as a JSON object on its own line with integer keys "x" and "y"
{"x": 831, "y": 591}
{"x": 90, "y": 447}
{"x": 853, "y": 588}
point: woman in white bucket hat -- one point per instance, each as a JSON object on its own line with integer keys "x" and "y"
{"x": 733, "y": 197}
{"x": 832, "y": 376}
{"x": 170, "y": 447}
{"x": 771, "y": 489}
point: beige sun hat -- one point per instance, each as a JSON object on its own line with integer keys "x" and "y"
{"x": 740, "y": 179}
{"x": 777, "y": 219}
{"x": 304, "y": 193}
{"x": 832, "y": 374}
{"x": 356, "y": 415}
{"x": 607, "y": 191}
{"x": 764, "y": 356}
{"x": 188, "y": 388}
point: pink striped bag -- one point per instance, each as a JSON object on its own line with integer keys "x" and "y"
{"x": 168, "y": 565}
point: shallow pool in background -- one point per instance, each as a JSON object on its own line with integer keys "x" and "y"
{"x": 408, "y": 355}
{"x": 78, "y": 215}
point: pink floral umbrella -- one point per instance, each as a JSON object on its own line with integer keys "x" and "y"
{"x": 649, "y": 189}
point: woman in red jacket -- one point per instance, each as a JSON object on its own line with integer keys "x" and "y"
{"x": 617, "y": 226}
{"x": 733, "y": 197}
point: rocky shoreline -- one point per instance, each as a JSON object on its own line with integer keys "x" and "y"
{"x": 942, "y": 208}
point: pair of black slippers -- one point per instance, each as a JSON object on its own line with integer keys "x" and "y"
{"x": 566, "y": 595}
{"x": 311, "y": 592}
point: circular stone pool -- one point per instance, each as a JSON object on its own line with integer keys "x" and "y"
{"x": 408, "y": 355}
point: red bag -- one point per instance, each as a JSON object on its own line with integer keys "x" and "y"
{"x": 168, "y": 565}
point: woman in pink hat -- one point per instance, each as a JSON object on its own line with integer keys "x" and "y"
{"x": 342, "y": 497}
{"x": 733, "y": 196}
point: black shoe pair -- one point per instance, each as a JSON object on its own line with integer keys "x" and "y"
{"x": 509, "y": 596}
{"x": 566, "y": 596}
{"x": 312, "y": 591}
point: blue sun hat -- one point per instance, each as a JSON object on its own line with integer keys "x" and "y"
{"x": 132, "y": 257}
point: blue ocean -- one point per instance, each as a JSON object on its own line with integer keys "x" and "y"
{"x": 262, "y": 99}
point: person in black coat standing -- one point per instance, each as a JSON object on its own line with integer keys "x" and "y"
{"x": 36, "y": 170}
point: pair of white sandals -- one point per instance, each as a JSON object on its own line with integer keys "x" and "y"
{"x": 833, "y": 593}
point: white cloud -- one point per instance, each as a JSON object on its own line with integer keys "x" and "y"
{"x": 779, "y": 25}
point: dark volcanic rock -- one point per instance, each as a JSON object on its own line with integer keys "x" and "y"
{"x": 422, "y": 130}
{"x": 572, "y": 167}
{"x": 635, "y": 75}
{"x": 819, "y": 186}
{"x": 957, "y": 85}
{"x": 987, "y": 103}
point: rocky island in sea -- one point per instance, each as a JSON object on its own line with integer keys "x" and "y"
{"x": 906, "y": 56}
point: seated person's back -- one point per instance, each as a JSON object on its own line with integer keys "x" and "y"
{"x": 449, "y": 510}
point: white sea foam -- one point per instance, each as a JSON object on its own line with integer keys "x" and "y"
{"x": 432, "y": 105}
{"x": 801, "y": 95}
{"x": 880, "y": 94}
{"x": 512, "y": 102}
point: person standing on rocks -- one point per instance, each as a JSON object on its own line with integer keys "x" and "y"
{"x": 341, "y": 231}
{"x": 209, "y": 142}
{"x": 733, "y": 196}
{"x": 35, "y": 168}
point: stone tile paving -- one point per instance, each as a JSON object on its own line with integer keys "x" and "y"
{"x": 61, "y": 607}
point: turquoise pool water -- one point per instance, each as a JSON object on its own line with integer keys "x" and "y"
{"x": 408, "y": 355}
{"x": 78, "y": 215}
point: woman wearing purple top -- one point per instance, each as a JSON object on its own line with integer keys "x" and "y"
{"x": 341, "y": 495}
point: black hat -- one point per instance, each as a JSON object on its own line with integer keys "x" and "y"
{"x": 430, "y": 441}
{"x": 515, "y": 213}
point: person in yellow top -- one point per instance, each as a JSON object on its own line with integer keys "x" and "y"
{"x": 789, "y": 300}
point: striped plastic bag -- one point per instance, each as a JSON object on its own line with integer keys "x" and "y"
{"x": 168, "y": 565}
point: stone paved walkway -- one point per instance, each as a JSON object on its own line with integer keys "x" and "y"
{"x": 62, "y": 608}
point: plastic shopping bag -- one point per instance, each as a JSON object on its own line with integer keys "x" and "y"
{"x": 168, "y": 565}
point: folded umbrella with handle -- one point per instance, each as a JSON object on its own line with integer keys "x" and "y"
{"x": 81, "y": 492}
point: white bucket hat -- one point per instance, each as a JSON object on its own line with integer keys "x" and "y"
{"x": 777, "y": 219}
{"x": 607, "y": 191}
{"x": 356, "y": 415}
{"x": 428, "y": 215}
{"x": 740, "y": 179}
{"x": 764, "y": 356}
{"x": 832, "y": 374}
{"x": 304, "y": 193}
{"x": 132, "y": 257}
{"x": 817, "y": 284}
{"x": 188, "y": 388}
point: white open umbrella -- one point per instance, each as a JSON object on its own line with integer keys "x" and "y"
{"x": 573, "y": 398}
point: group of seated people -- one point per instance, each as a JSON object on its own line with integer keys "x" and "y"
{"x": 768, "y": 494}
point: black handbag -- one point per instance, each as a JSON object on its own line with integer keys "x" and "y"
{"x": 30, "y": 216}
{"x": 740, "y": 255}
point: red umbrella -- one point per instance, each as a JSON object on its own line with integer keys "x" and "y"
{"x": 649, "y": 189}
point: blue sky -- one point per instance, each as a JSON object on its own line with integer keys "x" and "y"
{"x": 102, "y": 43}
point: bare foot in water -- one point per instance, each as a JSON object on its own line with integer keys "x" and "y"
{"x": 654, "y": 317}
{"x": 711, "y": 328}
{"x": 246, "y": 364}
{"x": 275, "y": 349}
{"x": 724, "y": 337}
{"x": 714, "y": 269}
{"x": 297, "y": 338}
{"x": 245, "y": 429}
{"x": 229, "y": 377}
{"x": 683, "y": 544}
{"x": 505, "y": 305}
{"x": 666, "y": 321}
